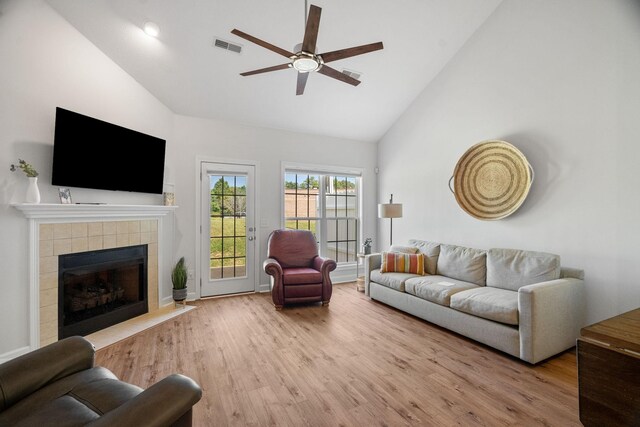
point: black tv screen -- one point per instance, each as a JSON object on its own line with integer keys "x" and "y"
{"x": 91, "y": 153}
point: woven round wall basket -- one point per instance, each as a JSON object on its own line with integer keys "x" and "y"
{"x": 491, "y": 180}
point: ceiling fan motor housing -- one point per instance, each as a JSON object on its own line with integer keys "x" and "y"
{"x": 305, "y": 62}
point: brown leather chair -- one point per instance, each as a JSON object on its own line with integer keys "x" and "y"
{"x": 58, "y": 385}
{"x": 297, "y": 273}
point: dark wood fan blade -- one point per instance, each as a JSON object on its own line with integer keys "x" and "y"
{"x": 262, "y": 43}
{"x": 311, "y": 31}
{"x": 266, "y": 70}
{"x": 302, "y": 82}
{"x": 331, "y": 72}
{"x": 349, "y": 52}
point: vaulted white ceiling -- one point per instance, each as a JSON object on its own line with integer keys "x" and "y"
{"x": 183, "y": 69}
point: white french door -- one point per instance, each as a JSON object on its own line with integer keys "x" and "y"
{"x": 228, "y": 229}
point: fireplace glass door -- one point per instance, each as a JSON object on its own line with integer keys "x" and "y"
{"x": 98, "y": 289}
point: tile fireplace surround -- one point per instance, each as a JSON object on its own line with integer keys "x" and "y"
{"x": 63, "y": 229}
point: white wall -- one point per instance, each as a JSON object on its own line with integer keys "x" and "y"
{"x": 46, "y": 63}
{"x": 558, "y": 79}
{"x": 218, "y": 140}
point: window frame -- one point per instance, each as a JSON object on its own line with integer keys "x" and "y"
{"x": 325, "y": 172}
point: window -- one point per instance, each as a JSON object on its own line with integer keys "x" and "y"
{"x": 228, "y": 213}
{"x": 327, "y": 205}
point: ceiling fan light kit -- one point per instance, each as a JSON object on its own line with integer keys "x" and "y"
{"x": 306, "y": 60}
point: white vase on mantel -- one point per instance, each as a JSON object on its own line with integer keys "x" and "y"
{"x": 33, "y": 193}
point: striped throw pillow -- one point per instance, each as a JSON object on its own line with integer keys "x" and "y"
{"x": 402, "y": 263}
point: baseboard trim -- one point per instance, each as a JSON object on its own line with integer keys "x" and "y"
{"x": 264, "y": 288}
{"x": 344, "y": 273}
{"x": 5, "y": 357}
{"x": 343, "y": 279}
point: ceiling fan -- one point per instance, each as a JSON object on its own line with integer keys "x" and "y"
{"x": 306, "y": 60}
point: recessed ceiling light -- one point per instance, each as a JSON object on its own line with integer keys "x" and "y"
{"x": 151, "y": 29}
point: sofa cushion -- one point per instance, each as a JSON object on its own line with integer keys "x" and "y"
{"x": 49, "y": 397}
{"x": 403, "y": 249}
{"x": 496, "y": 304}
{"x": 82, "y": 404}
{"x": 391, "y": 280}
{"x": 300, "y": 276}
{"x": 467, "y": 264}
{"x": 430, "y": 250}
{"x": 402, "y": 263}
{"x": 511, "y": 268}
{"x": 105, "y": 395}
{"x": 436, "y": 289}
{"x": 65, "y": 411}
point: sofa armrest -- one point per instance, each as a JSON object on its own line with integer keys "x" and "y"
{"x": 30, "y": 372}
{"x": 160, "y": 405}
{"x": 551, "y": 315}
{"x": 371, "y": 262}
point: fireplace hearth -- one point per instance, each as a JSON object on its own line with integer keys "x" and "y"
{"x": 97, "y": 289}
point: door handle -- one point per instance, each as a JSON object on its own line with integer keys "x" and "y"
{"x": 250, "y": 238}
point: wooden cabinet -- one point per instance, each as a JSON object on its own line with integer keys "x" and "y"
{"x": 609, "y": 371}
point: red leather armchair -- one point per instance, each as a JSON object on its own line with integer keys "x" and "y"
{"x": 297, "y": 273}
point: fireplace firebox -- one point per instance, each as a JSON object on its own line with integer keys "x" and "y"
{"x": 101, "y": 288}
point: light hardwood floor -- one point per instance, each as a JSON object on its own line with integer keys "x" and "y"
{"x": 354, "y": 363}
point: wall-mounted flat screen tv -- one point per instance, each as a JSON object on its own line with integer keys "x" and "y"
{"x": 91, "y": 153}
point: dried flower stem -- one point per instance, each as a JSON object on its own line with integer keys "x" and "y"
{"x": 26, "y": 168}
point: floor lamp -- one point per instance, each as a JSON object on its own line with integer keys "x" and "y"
{"x": 390, "y": 210}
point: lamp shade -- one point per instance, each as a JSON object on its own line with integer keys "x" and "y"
{"x": 390, "y": 210}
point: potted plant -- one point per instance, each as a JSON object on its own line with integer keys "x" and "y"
{"x": 33, "y": 193}
{"x": 179, "y": 276}
{"x": 366, "y": 246}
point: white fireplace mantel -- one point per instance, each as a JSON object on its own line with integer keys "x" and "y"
{"x": 43, "y": 213}
{"x": 74, "y": 212}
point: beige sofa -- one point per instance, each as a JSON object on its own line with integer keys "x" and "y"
{"x": 520, "y": 302}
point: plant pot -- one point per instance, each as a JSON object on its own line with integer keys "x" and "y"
{"x": 180, "y": 294}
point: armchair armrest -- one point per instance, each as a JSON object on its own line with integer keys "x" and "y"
{"x": 324, "y": 265}
{"x": 371, "y": 262}
{"x": 551, "y": 315}
{"x": 30, "y": 372}
{"x": 272, "y": 267}
{"x": 160, "y": 405}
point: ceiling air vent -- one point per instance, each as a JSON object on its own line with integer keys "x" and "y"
{"x": 223, "y": 44}
{"x": 354, "y": 74}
